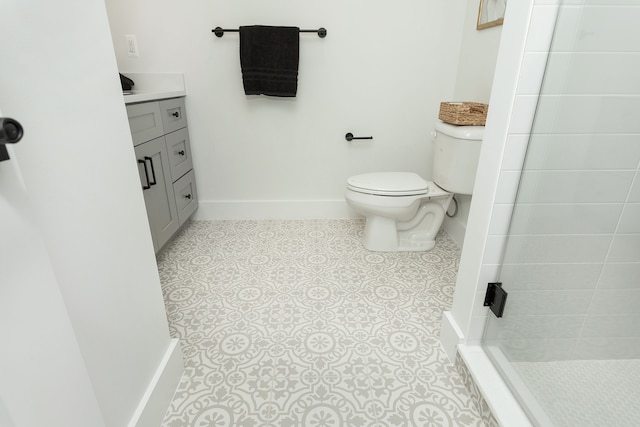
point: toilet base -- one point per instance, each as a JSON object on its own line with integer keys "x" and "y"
{"x": 416, "y": 243}
{"x": 381, "y": 235}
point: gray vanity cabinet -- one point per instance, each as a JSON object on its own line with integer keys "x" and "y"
{"x": 161, "y": 140}
{"x": 159, "y": 198}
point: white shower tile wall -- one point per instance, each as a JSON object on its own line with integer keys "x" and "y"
{"x": 582, "y": 171}
{"x": 294, "y": 323}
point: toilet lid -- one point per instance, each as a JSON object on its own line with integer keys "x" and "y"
{"x": 389, "y": 183}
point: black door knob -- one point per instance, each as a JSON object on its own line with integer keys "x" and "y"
{"x": 10, "y": 131}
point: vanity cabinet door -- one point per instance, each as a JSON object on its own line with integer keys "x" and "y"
{"x": 157, "y": 185}
{"x": 145, "y": 122}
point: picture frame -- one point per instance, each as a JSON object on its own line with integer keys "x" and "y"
{"x": 491, "y": 13}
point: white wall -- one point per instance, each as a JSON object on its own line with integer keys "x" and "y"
{"x": 476, "y": 66}
{"x": 382, "y": 71}
{"x": 478, "y": 54}
{"x": 78, "y": 169}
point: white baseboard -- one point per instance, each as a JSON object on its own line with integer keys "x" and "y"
{"x": 155, "y": 402}
{"x": 450, "y": 335}
{"x": 273, "y": 209}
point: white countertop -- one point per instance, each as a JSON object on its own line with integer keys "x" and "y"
{"x": 140, "y": 96}
{"x": 154, "y": 86}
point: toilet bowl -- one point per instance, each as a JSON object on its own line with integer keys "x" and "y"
{"x": 403, "y": 211}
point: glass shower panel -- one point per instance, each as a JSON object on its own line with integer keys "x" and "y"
{"x": 569, "y": 341}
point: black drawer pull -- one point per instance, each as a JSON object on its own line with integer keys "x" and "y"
{"x": 187, "y": 196}
{"x": 181, "y": 152}
{"x": 146, "y": 174}
{"x": 153, "y": 172}
{"x": 175, "y": 114}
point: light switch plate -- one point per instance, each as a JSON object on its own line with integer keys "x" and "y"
{"x": 132, "y": 45}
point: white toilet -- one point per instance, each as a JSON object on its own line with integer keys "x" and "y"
{"x": 403, "y": 211}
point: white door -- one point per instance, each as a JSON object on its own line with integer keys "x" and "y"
{"x": 43, "y": 377}
{"x": 79, "y": 285}
{"x": 43, "y": 380}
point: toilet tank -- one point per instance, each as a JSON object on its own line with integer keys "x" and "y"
{"x": 455, "y": 158}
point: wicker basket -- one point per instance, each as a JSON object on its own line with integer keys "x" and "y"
{"x": 463, "y": 113}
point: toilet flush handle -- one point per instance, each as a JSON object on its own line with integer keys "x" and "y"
{"x": 434, "y": 135}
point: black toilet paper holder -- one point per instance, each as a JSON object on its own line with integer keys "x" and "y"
{"x": 349, "y": 137}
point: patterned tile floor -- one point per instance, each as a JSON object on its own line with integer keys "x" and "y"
{"x": 294, "y": 323}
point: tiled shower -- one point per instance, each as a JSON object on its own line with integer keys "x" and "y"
{"x": 568, "y": 251}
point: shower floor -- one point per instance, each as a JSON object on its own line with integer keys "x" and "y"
{"x": 586, "y": 392}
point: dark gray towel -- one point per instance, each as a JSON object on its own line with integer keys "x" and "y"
{"x": 269, "y": 60}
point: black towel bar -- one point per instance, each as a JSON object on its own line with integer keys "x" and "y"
{"x": 322, "y": 32}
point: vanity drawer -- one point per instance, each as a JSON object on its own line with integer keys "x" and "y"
{"x": 186, "y": 196}
{"x": 174, "y": 116}
{"x": 145, "y": 122}
{"x": 179, "y": 150}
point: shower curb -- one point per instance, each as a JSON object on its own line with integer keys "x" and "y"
{"x": 474, "y": 392}
{"x": 487, "y": 387}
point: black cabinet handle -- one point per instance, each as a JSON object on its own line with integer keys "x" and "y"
{"x": 181, "y": 152}
{"x": 175, "y": 114}
{"x": 146, "y": 174}
{"x": 153, "y": 172}
{"x": 187, "y": 196}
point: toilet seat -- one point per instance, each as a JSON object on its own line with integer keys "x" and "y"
{"x": 395, "y": 184}
{"x": 389, "y": 184}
